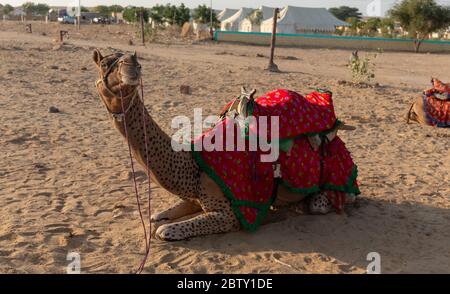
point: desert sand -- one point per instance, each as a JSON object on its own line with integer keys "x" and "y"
{"x": 65, "y": 182}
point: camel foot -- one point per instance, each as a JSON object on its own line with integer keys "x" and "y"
{"x": 165, "y": 233}
{"x": 156, "y": 225}
{"x": 198, "y": 225}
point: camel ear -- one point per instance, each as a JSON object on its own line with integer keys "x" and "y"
{"x": 97, "y": 57}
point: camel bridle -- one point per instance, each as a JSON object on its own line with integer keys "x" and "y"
{"x": 118, "y": 116}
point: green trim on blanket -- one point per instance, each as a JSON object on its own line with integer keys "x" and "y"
{"x": 348, "y": 188}
{"x": 250, "y": 108}
{"x": 286, "y": 145}
{"x": 264, "y": 207}
{"x": 235, "y": 203}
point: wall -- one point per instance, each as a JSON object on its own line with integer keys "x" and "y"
{"x": 328, "y": 41}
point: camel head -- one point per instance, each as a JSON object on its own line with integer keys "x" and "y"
{"x": 119, "y": 78}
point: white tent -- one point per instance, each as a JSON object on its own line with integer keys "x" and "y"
{"x": 226, "y": 13}
{"x": 248, "y": 26}
{"x": 294, "y": 20}
{"x": 233, "y": 23}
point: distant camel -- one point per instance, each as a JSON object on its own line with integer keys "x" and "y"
{"x": 433, "y": 108}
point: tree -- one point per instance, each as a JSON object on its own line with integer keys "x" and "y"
{"x": 420, "y": 18}
{"x": 156, "y": 14}
{"x": 103, "y": 10}
{"x": 35, "y": 9}
{"x": 355, "y": 25}
{"x": 115, "y": 8}
{"x": 387, "y": 27}
{"x": 7, "y": 9}
{"x": 255, "y": 17}
{"x": 41, "y": 9}
{"x": 345, "y": 12}
{"x": 370, "y": 27}
{"x": 28, "y": 8}
{"x": 170, "y": 14}
{"x": 131, "y": 14}
{"x": 202, "y": 15}
{"x": 183, "y": 14}
{"x": 84, "y": 9}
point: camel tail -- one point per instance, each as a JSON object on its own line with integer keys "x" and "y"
{"x": 344, "y": 127}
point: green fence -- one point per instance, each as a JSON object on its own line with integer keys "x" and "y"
{"x": 329, "y": 41}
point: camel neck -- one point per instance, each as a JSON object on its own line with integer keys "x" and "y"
{"x": 177, "y": 172}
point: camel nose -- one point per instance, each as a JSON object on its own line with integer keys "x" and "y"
{"x": 132, "y": 58}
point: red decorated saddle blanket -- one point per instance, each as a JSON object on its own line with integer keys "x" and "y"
{"x": 249, "y": 182}
{"x": 437, "y": 110}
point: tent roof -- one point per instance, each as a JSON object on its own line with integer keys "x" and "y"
{"x": 267, "y": 12}
{"x": 306, "y": 18}
{"x": 240, "y": 15}
{"x": 226, "y": 13}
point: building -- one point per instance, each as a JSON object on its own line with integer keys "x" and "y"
{"x": 233, "y": 23}
{"x": 117, "y": 17}
{"x": 226, "y": 13}
{"x": 297, "y": 20}
{"x": 247, "y": 25}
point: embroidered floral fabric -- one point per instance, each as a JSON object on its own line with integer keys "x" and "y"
{"x": 249, "y": 183}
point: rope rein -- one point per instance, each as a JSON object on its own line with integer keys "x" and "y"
{"x": 144, "y": 122}
{"x": 141, "y": 267}
{"x": 121, "y": 117}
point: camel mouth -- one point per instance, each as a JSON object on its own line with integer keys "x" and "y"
{"x": 130, "y": 70}
{"x": 130, "y": 75}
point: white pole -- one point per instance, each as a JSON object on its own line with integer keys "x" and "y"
{"x": 211, "y": 15}
{"x": 79, "y": 14}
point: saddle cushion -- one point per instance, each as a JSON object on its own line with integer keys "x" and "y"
{"x": 249, "y": 183}
{"x": 435, "y": 105}
{"x": 298, "y": 115}
{"x": 437, "y": 112}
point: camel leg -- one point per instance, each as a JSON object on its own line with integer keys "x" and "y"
{"x": 180, "y": 209}
{"x": 409, "y": 113}
{"x": 204, "y": 224}
{"x": 218, "y": 216}
{"x": 319, "y": 204}
{"x": 156, "y": 225}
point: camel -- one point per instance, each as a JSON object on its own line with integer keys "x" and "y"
{"x": 203, "y": 208}
{"x": 433, "y": 108}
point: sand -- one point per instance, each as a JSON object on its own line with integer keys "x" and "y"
{"x": 65, "y": 183}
